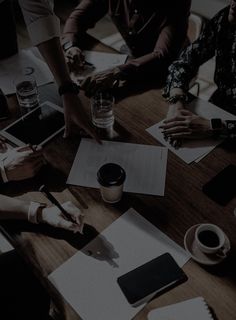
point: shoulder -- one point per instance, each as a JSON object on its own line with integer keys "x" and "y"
{"x": 221, "y": 16}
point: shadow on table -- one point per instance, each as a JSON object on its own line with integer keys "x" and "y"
{"x": 90, "y": 243}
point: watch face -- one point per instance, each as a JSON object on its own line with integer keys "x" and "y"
{"x": 216, "y": 124}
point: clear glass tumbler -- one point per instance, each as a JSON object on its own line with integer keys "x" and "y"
{"x": 102, "y": 109}
{"x": 27, "y": 93}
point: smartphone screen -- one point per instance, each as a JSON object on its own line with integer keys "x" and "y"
{"x": 152, "y": 277}
{"x": 222, "y": 188}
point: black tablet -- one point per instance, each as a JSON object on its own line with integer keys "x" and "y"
{"x": 36, "y": 127}
{"x": 151, "y": 278}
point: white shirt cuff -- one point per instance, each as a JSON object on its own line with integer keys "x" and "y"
{"x": 44, "y": 29}
{"x": 33, "y": 211}
{"x": 2, "y": 171}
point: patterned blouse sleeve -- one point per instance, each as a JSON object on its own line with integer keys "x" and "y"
{"x": 185, "y": 68}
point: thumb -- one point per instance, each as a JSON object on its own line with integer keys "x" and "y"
{"x": 67, "y": 225}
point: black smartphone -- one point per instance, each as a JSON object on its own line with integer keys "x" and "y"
{"x": 4, "y": 111}
{"x": 222, "y": 188}
{"x": 151, "y": 278}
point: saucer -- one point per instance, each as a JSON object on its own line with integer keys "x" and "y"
{"x": 196, "y": 254}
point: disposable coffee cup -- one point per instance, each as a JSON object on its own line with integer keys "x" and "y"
{"x": 111, "y": 178}
{"x": 211, "y": 239}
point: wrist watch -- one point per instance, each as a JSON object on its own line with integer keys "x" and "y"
{"x": 216, "y": 124}
{"x": 68, "y": 87}
{"x": 231, "y": 129}
{"x": 68, "y": 44}
{"x": 177, "y": 97}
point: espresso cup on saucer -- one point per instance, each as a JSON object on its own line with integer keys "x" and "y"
{"x": 210, "y": 239}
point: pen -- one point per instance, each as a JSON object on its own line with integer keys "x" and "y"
{"x": 88, "y": 63}
{"x": 35, "y": 149}
{"x": 53, "y": 200}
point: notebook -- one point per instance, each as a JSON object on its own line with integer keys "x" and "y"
{"x": 193, "y": 309}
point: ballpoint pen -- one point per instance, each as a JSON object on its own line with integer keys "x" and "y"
{"x": 53, "y": 200}
{"x": 88, "y": 63}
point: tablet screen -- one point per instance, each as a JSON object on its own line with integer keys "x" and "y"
{"x": 37, "y": 126}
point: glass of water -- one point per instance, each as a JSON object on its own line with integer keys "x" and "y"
{"x": 102, "y": 110}
{"x": 27, "y": 93}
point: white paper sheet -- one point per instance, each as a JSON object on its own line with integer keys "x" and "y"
{"x": 195, "y": 150}
{"x": 25, "y": 62}
{"x": 89, "y": 283}
{"x": 194, "y": 309}
{"x": 101, "y": 61}
{"x": 145, "y": 165}
{"x": 4, "y": 155}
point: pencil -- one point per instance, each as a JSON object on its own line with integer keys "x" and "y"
{"x": 53, "y": 200}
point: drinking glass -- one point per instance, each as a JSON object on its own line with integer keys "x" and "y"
{"x": 27, "y": 93}
{"x": 102, "y": 109}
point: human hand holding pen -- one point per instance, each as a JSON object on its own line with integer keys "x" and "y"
{"x": 66, "y": 215}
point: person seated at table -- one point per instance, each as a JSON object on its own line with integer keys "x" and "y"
{"x": 21, "y": 295}
{"x": 218, "y": 39}
{"x": 154, "y": 34}
{"x": 44, "y": 30}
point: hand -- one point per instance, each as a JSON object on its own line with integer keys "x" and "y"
{"x": 55, "y": 218}
{"x": 23, "y": 163}
{"x": 74, "y": 59}
{"x": 101, "y": 81}
{"x": 175, "y": 110}
{"x": 186, "y": 125}
{"x": 75, "y": 113}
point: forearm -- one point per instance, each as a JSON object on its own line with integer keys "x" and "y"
{"x": 12, "y": 208}
{"x": 83, "y": 17}
{"x": 151, "y": 63}
{"x": 53, "y": 55}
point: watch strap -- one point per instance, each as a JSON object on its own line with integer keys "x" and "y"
{"x": 216, "y": 124}
{"x": 231, "y": 129}
{"x": 177, "y": 97}
{"x": 68, "y": 87}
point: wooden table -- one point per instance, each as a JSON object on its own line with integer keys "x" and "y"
{"x": 183, "y": 205}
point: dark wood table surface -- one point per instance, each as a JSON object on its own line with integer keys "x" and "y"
{"x": 183, "y": 205}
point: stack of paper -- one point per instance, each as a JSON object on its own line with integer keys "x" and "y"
{"x": 195, "y": 150}
{"x": 193, "y": 309}
{"x": 101, "y": 61}
{"x": 88, "y": 280}
{"x": 145, "y": 165}
{"x": 25, "y": 62}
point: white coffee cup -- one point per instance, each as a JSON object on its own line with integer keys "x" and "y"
{"x": 211, "y": 239}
